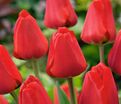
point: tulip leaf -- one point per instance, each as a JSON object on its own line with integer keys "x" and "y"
{"x": 62, "y": 97}
{"x": 18, "y": 62}
{"x": 78, "y": 81}
{"x": 48, "y": 84}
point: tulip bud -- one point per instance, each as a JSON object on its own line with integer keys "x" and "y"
{"x": 29, "y": 41}
{"x": 99, "y": 25}
{"x": 33, "y": 92}
{"x": 65, "y": 88}
{"x": 99, "y": 87}
{"x": 59, "y": 13}
{"x": 114, "y": 57}
{"x": 65, "y": 57}
{"x": 10, "y": 77}
{"x": 3, "y": 100}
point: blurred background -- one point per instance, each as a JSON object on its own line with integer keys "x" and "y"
{"x": 9, "y": 10}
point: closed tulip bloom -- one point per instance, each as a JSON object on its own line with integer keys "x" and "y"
{"x": 10, "y": 77}
{"x": 65, "y": 88}
{"x": 59, "y": 13}
{"x": 114, "y": 57}
{"x": 3, "y": 100}
{"x": 65, "y": 57}
{"x": 99, "y": 25}
{"x": 99, "y": 87}
{"x": 33, "y": 92}
{"x": 29, "y": 41}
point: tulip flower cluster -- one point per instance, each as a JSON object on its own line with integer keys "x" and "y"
{"x": 65, "y": 57}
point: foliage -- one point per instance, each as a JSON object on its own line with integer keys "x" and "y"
{"x": 8, "y": 16}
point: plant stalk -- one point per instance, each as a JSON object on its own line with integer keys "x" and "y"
{"x": 72, "y": 93}
{"x": 101, "y": 51}
{"x": 35, "y": 68}
{"x": 13, "y": 94}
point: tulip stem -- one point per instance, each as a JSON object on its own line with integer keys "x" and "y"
{"x": 101, "y": 51}
{"x": 35, "y": 68}
{"x": 72, "y": 93}
{"x": 13, "y": 94}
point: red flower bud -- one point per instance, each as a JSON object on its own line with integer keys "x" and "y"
{"x": 65, "y": 88}
{"x": 29, "y": 41}
{"x": 59, "y": 13}
{"x": 3, "y": 100}
{"x": 10, "y": 77}
{"x": 99, "y": 26}
{"x": 65, "y": 56}
{"x": 33, "y": 92}
{"x": 99, "y": 87}
{"x": 114, "y": 57}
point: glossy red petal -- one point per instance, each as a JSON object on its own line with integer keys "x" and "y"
{"x": 99, "y": 87}
{"x": 94, "y": 29}
{"x": 59, "y": 13}
{"x": 33, "y": 92}
{"x": 65, "y": 56}
{"x": 114, "y": 57}
{"x": 29, "y": 41}
{"x": 99, "y": 25}
{"x": 9, "y": 75}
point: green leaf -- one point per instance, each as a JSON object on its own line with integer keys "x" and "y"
{"x": 48, "y": 84}
{"x": 18, "y": 62}
{"x": 62, "y": 97}
{"x": 78, "y": 81}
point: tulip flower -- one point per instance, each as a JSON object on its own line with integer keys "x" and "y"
{"x": 10, "y": 77}
{"x": 99, "y": 87}
{"x": 65, "y": 57}
{"x": 29, "y": 41}
{"x": 65, "y": 88}
{"x": 59, "y": 13}
{"x": 99, "y": 25}
{"x": 33, "y": 92}
{"x": 114, "y": 57}
{"x": 3, "y": 100}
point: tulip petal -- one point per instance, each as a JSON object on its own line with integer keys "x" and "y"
{"x": 9, "y": 75}
{"x": 33, "y": 92}
{"x": 65, "y": 56}
{"x": 29, "y": 41}
{"x": 99, "y": 87}
{"x": 114, "y": 59}
{"x": 59, "y": 13}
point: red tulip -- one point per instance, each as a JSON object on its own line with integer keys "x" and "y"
{"x": 65, "y": 56}
{"x": 99, "y": 26}
{"x": 10, "y": 78}
{"x": 114, "y": 58}
{"x": 33, "y": 92}
{"x": 29, "y": 41}
{"x": 65, "y": 88}
{"x": 3, "y": 100}
{"x": 99, "y": 87}
{"x": 59, "y": 13}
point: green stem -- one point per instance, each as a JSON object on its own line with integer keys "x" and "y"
{"x": 101, "y": 51}
{"x": 72, "y": 93}
{"x": 13, "y": 94}
{"x": 58, "y": 87}
{"x": 35, "y": 68}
